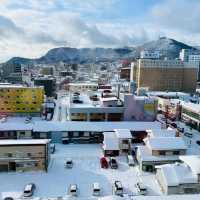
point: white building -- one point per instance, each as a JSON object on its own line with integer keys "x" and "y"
{"x": 180, "y": 178}
{"x": 149, "y": 54}
{"x": 159, "y": 150}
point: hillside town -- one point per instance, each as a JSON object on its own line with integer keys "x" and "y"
{"x": 99, "y": 100}
{"x": 127, "y": 129}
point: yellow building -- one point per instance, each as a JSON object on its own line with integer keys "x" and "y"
{"x": 20, "y": 99}
{"x": 163, "y": 75}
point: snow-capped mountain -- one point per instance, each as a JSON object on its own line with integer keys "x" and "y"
{"x": 168, "y": 47}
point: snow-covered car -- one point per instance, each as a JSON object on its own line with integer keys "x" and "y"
{"x": 29, "y": 190}
{"x": 187, "y": 134}
{"x": 8, "y": 198}
{"x": 73, "y": 190}
{"x": 96, "y": 189}
{"x": 113, "y": 163}
{"x": 141, "y": 188}
{"x": 117, "y": 188}
{"x": 130, "y": 160}
{"x": 69, "y": 163}
{"x": 198, "y": 142}
{"x": 52, "y": 148}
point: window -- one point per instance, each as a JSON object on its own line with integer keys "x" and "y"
{"x": 162, "y": 153}
{"x": 8, "y": 155}
{"x": 176, "y": 153}
{"x": 22, "y": 133}
{"x": 76, "y": 134}
{"x": 29, "y": 154}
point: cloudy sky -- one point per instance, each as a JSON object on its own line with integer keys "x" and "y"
{"x": 29, "y": 28}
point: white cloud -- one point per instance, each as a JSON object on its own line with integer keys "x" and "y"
{"x": 29, "y": 28}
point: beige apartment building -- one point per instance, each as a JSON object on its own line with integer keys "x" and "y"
{"x": 163, "y": 75}
{"x": 24, "y": 155}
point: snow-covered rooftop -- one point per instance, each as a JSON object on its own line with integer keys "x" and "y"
{"x": 23, "y": 142}
{"x": 165, "y": 143}
{"x": 44, "y": 126}
{"x": 110, "y": 141}
{"x": 191, "y": 106}
{"x": 178, "y": 173}
{"x": 123, "y": 133}
{"x": 193, "y": 161}
{"x": 167, "y": 94}
{"x": 145, "y": 155}
{"x": 38, "y": 125}
{"x": 161, "y": 133}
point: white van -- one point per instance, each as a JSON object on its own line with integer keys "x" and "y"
{"x": 96, "y": 189}
{"x": 73, "y": 190}
{"x": 117, "y": 188}
{"x": 49, "y": 115}
{"x": 141, "y": 188}
{"x": 130, "y": 160}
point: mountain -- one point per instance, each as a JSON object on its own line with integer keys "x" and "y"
{"x": 168, "y": 47}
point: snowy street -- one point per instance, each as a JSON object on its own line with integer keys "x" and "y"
{"x": 86, "y": 170}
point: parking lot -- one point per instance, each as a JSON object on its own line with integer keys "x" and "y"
{"x": 86, "y": 170}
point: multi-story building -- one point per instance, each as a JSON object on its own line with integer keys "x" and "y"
{"x": 185, "y": 53}
{"x": 191, "y": 114}
{"x": 149, "y": 54}
{"x": 160, "y": 149}
{"x": 125, "y": 73}
{"x": 20, "y": 99}
{"x": 81, "y": 87}
{"x": 47, "y": 70}
{"x": 12, "y": 73}
{"x": 49, "y": 84}
{"x": 24, "y": 155}
{"x": 191, "y": 56}
{"x": 195, "y": 59}
{"x": 94, "y": 108}
{"x": 164, "y": 75}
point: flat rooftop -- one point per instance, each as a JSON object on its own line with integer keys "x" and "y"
{"x": 39, "y": 125}
{"x": 23, "y": 142}
{"x": 17, "y": 86}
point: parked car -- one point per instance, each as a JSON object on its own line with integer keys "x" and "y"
{"x": 27, "y": 120}
{"x": 117, "y": 188}
{"x": 141, "y": 188}
{"x": 29, "y": 190}
{"x": 73, "y": 190}
{"x": 96, "y": 189}
{"x": 52, "y": 148}
{"x": 130, "y": 160}
{"x": 189, "y": 135}
{"x": 133, "y": 152}
{"x": 69, "y": 163}
{"x": 113, "y": 163}
{"x": 174, "y": 125}
{"x": 8, "y": 198}
{"x": 104, "y": 163}
{"x": 49, "y": 116}
{"x": 198, "y": 142}
{"x": 180, "y": 129}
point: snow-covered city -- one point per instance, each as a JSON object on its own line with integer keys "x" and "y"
{"x": 99, "y": 100}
